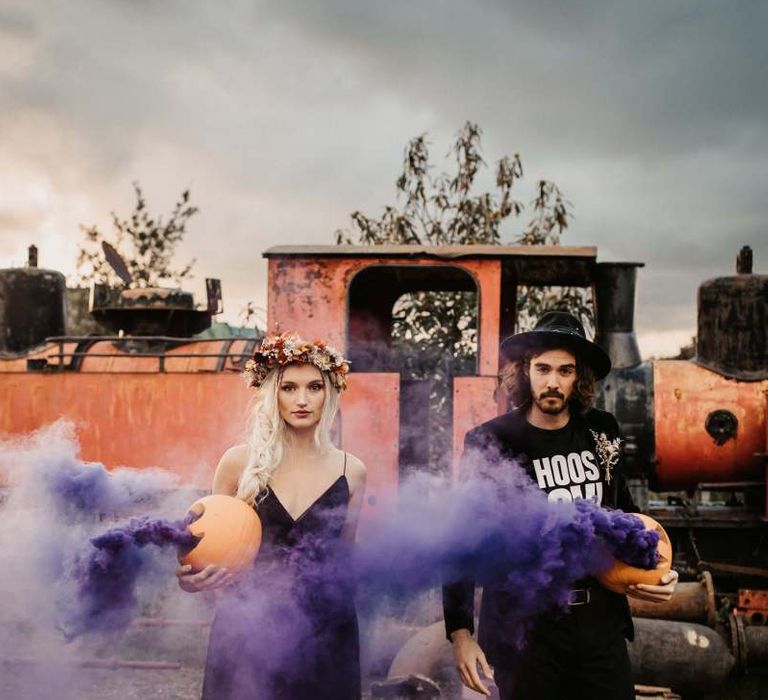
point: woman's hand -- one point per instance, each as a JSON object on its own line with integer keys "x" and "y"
{"x": 655, "y": 594}
{"x": 210, "y": 578}
{"x": 468, "y": 654}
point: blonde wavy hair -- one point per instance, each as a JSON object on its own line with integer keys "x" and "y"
{"x": 268, "y": 434}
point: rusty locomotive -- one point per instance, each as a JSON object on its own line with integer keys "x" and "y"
{"x": 696, "y": 431}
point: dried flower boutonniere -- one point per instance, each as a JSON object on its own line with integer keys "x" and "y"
{"x": 608, "y": 452}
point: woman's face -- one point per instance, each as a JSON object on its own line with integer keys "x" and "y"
{"x": 301, "y": 395}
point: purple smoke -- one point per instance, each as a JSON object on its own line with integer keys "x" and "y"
{"x": 106, "y": 575}
{"x": 500, "y": 532}
{"x": 503, "y": 533}
{"x": 624, "y": 535}
{"x": 88, "y": 490}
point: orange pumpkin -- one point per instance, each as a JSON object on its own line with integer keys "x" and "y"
{"x": 621, "y": 575}
{"x": 229, "y": 533}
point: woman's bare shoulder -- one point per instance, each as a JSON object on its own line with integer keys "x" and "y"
{"x": 355, "y": 467}
{"x": 237, "y": 455}
{"x": 229, "y": 469}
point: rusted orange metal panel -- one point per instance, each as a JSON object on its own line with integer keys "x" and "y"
{"x": 310, "y": 296}
{"x": 118, "y": 360}
{"x": 370, "y": 429}
{"x": 684, "y": 396}
{"x": 185, "y": 422}
{"x": 488, "y": 276}
{"x": 753, "y": 606}
{"x": 189, "y": 357}
{"x": 179, "y": 422}
{"x": 109, "y": 356}
{"x": 473, "y": 404}
{"x": 48, "y": 352}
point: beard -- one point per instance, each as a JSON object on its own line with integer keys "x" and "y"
{"x": 551, "y": 404}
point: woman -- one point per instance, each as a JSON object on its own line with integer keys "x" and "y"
{"x": 289, "y": 630}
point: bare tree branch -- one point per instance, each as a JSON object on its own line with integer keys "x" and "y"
{"x": 146, "y": 243}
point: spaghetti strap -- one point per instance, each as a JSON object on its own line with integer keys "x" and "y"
{"x": 345, "y": 465}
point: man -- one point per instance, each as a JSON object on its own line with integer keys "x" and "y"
{"x": 550, "y": 432}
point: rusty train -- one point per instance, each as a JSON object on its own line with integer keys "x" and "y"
{"x": 152, "y": 393}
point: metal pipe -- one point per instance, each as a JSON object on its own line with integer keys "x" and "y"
{"x": 115, "y": 663}
{"x": 684, "y": 656}
{"x": 424, "y": 654}
{"x": 169, "y": 622}
{"x": 410, "y": 688}
{"x": 112, "y": 663}
{"x": 652, "y": 692}
{"x": 756, "y": 646}
{"x": 749, "y": 643}
{"x": 692, "y": 602}
{"x": 615, "y": 306}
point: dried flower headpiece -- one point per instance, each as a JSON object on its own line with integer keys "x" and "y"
{"x": 286, "y": 348}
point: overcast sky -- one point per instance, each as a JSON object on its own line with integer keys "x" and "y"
{"x": 283, "y": 117}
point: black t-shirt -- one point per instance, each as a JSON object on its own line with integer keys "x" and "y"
{"x": 562, "y": 462}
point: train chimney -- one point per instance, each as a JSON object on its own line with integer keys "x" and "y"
{"x": 744, "y": 261}
{"x": 732, "y": 323}
{"x": 615, "y": 322}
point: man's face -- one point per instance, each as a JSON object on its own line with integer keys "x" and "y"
{"x": 553, "y": 376}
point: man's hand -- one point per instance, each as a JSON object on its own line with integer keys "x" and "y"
{"x": 655, "y": 594}
{"x": 208, "y": 579}
{"x": 468, "y": 654}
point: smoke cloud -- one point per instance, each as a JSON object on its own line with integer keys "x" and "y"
{"x": 107, "y": 573}
{"x": 80, "y": 562}
{"x": 501, "y": 532}
{"x": 53, "y": 505}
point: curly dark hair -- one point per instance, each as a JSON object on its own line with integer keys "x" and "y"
{"x": 516, "y": 384}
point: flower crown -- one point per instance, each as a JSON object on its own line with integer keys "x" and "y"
{"x": 286, "y": 348}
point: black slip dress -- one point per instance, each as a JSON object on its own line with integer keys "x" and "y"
{"x": 289, "y": 631}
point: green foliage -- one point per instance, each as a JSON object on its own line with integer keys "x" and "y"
{"x": 146, "y": 244}
{"x": 445, "y": 210}
{"x": 550, "y": 219}
{"x": 434, "y": 333}
{"x": 442, "y": 210}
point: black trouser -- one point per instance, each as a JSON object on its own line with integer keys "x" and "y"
{"x": 580, "y": 655}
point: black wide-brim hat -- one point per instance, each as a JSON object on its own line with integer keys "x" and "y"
{"x": 554, "y": 330}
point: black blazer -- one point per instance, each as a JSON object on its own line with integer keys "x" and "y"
{"x": 504, "y": 438}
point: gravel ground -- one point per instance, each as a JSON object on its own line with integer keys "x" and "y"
{"x": 21, "y": 681}
{"x": 35, "y": 675}
{"x": 43, "y": 670}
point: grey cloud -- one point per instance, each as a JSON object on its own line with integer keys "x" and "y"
{"x": 283, "y": 117}
{"x": 616, "y": 75}
{"x": 17, "y": 22}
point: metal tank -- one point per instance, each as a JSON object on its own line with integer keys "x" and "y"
{"x": 687, "y": 657}
{"x": 151, "y": 311}
{"x": 687, "y": 423}
{"x": 733, "y": 323}
{"x": 711, "y": 413}
{"x": 31, "y": 306}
